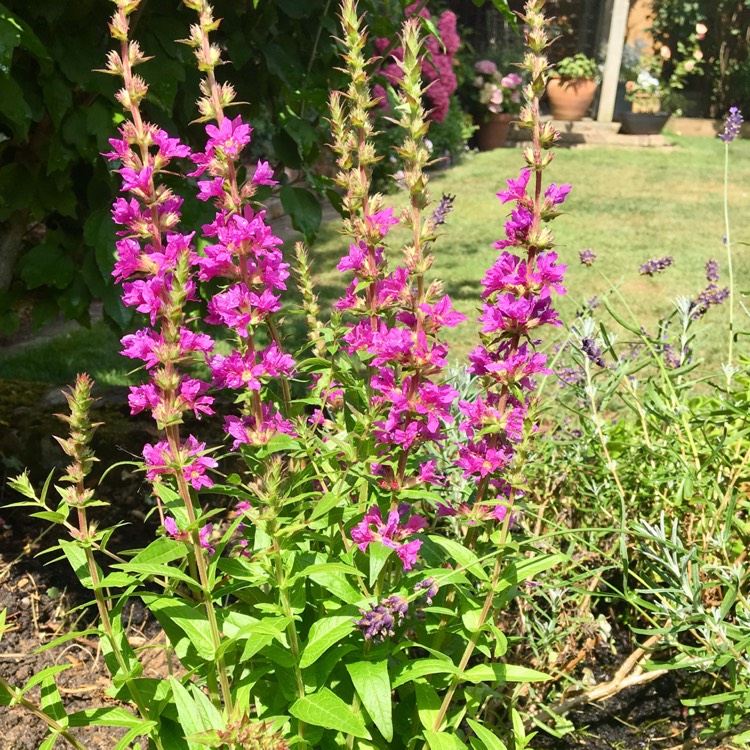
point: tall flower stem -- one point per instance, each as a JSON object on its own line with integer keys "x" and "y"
{"x": 524, "y": 231}
{"x": 730, "y": 272}
{"x": 77, "y": 446}
{"x": 173, "y": 438}
{"x": 291, "y": 630}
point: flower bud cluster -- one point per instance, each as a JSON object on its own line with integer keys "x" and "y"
{"x": 78, "y": 443}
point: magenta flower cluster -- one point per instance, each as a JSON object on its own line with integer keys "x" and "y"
{"x": 517, "y": 301}
{"x": 158, "y": 266}
{"x": 437, "y": 65}
{"x": 154, "y": 266}
{"x": 397, "y": 332}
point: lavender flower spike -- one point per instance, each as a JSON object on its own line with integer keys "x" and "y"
{"x": 587, "y": 257}
{"x": 732, "y": 125}
{"x": 442, "y": 210}
{"x": 656, "y": 265}
{"x": 712, "y": 271}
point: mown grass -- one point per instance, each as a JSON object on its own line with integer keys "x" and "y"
{"x": 628, "y": 205}
{"x": 57, "y": 359}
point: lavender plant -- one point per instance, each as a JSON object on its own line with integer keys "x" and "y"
{"x": 654, "y": 452}
{"x": 319, "y": 584}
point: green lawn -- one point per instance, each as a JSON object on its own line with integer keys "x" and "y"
{"x": 627, "y": 205}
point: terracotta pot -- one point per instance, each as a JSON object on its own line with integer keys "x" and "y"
{"x": 569, "y": 98}
{"x": 494, "y": 132}
{"x": 643, "y": 123}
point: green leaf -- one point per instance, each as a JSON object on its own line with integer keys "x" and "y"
{"x": 304, "y": 210}
{"x": 155, "y": 569}
{"x": 161, "y": 551}
{"x": 179, "y": 617}
{"x": 49, "y": 741}
{"x": 197, "y": 714}
{"x": 327, "y": 502}
{"x": 51, "y": 702}
{"x": 43, "y": 675}
{"x": 508, "y": 14}
{"x": 428, "y": 703}
{"x": 58, "y": 97}
{"x": 324, "y": 634}
{"x": 10, "y": 37}
{"x": 296, "y": 8}
{"x": 472, "y": 620}
{"x": 518, "y": 572}
{"x": 326, "y": 709}
{"x": 499, "y": 673}
{"x": 422, "y": 668}
{"x": 333, "y": 578}
{"x": 443, "y": 741}
{"x": 488, "y": 738}
{"x": 126, "y": 742}
{"x": 378, "y": 554}
{"x": 107, "y": 717}
{"x": 711, "y": 700}
{"x": 373, "y": 685}
{"x": 258, "y": 635}
{"x": 48, "y": 264}
{"x": 464, "y": 557}
{"x": 14, "y": 108}
{"x": 77, "y": 559}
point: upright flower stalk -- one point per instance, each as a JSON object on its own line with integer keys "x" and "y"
{"x": 731, "y": 131}
{"x": 398, "y": 319}
{"x": 76, "y": 495}
{"x": 517, "y": 302}
{"x": 155, "y": 263}
{"x": 242, "y": 251}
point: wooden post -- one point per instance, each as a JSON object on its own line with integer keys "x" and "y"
{"x": 613, "y": 59}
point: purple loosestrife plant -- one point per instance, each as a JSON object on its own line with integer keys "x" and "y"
{"x": 314, "y": 579}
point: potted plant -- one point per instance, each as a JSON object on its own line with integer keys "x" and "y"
{"x": 497, "y": 98}
{"x": 572, "y": 86}
{"x": 653, "y": 83}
